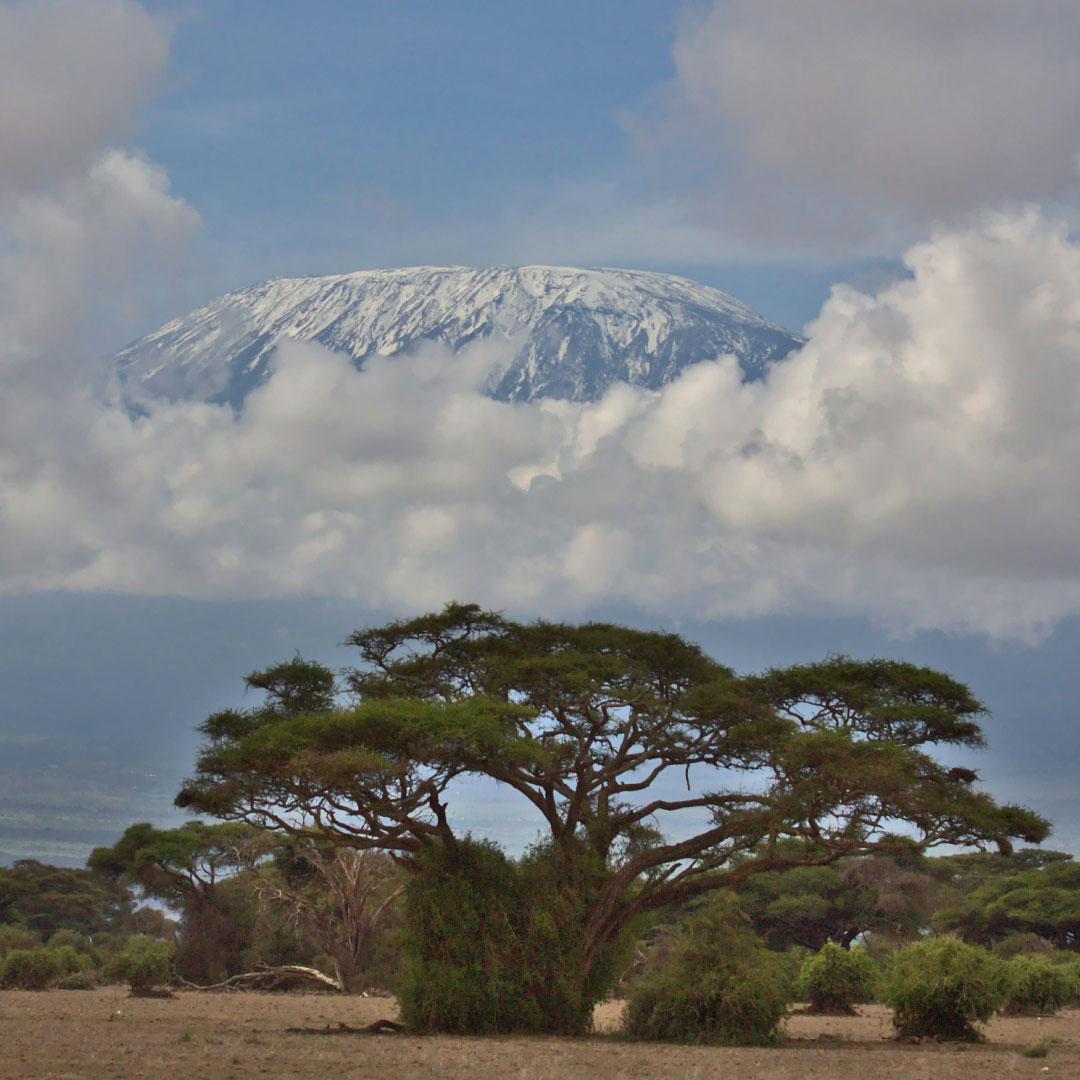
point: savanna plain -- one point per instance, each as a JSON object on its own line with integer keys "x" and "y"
{"x": 71, "y": 1035}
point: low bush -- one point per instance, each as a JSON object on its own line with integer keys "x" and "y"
{"x": 835, "y": 980}
{"x": 716, "y": 984}
{"x": 31, "y": 969}
{"x": 90, "y": 979}
{"x": 1035, "y": 986}
{"x": 942, "y": 988}
{"x": 1020, "y": 944}
{"x": 142, "y": 963}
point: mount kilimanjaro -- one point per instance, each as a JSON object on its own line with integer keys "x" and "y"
{"x": 570, "y": 333}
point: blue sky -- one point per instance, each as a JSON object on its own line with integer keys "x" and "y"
{"x": 901, "y": 178}
{"x": 339, "y": 136}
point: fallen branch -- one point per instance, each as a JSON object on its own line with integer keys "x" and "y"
{"x": 379, "y": 1027}
{"x": 266, "y": 977}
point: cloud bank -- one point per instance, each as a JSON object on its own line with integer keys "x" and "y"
{"x": 841, "y": 123}
{"x": 918, "y": 462}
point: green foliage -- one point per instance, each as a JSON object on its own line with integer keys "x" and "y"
{"x": 1035, "y": 986}
{"x": 72, "y": 939}
{"x": 713, "y": 984}
{"x": 1020, "y": 944}
{"x": 834, "y": 980}
{"x": 90, "y": 979}
{"x": 192, "y": 869}
{"x": 142, "y": 963}
{"x": 495, "y": 947}
{"x": 942, "y": 988}
{"x": 1032, "y": 892}
{"x": 14, "y": 936}
{"x": 45, "y": 899}
{"x": 31, "y": 969}
{"x": 70, "y": 959}
{"x": 888, "y": 891}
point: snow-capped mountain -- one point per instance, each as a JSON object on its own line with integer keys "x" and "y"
{"x": 571, "y": 333}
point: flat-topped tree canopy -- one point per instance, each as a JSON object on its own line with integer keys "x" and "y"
{"x": 585, "y": 722}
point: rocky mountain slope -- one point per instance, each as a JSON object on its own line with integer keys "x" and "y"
{"x": 571, "y": 333}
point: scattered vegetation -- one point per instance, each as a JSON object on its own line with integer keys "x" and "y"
{"x": 366, "y": 882}
{"x": 942, "y": 988}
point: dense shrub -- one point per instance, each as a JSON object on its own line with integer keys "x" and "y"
{"x": 494, "y": 947}
{"x": 142, "y": 963}
{"x": 13, "y": 936}
{"x": 71, "y": 961}
{"x": 715, "y": 985}
{"x": 1020, "y": 944}
{"x": 789, "y": 964}
{"x": 89, "y": 979}
{"x": 834, "y": 980}
{"x": 31, "y": 969}
{"x": 943, "y": 988}
{"x": 1034, "y": 986}
{"x": 72, "y": 939}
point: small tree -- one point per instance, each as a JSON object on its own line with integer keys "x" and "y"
{"x": 335, "y": 900}
{"x": 942, "y": 988}
{"x": 834, "y": 980}
{"x": 189, "y": 870}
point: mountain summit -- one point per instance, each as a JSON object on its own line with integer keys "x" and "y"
{"x": 571, "y": 333}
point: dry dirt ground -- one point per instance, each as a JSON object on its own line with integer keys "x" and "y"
{"x": 88, "y": 1034}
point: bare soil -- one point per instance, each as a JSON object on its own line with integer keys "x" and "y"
{"x": 88, "y": 1034}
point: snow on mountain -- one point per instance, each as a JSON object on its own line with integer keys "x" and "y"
{"x": 571, "y": 332}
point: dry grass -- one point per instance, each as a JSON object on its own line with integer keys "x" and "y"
{"x": 85, "y": 1035}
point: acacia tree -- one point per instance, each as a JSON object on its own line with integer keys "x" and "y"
{"x": 1022, "y": 897}
{"x": 623, "y": 741}
{"x": 890, "y": 892}
{"x": 189, "y": 869}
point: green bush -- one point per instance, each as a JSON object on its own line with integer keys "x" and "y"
{"x": 89, "y": 979}
{"x": 72, "y": 939}
{"x": 1035, "y": 986}
{"x": 494, "y": 947}
{"x": 1020, "y": 944}
{"x": 142, "y": 963}
{"x": 789, "y": 965}
{"x": 715, "y": 985}
{"x": 13, "y": 936}
{"x": 942, "y": 988}
{"x": 71, "y": 961}
{"x": 31, "y": 969}
{"x": 834, "y": 980}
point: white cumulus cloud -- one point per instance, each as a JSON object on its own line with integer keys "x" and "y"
{"x": 839, "y": 122}
{"x": 917, "y": 463}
